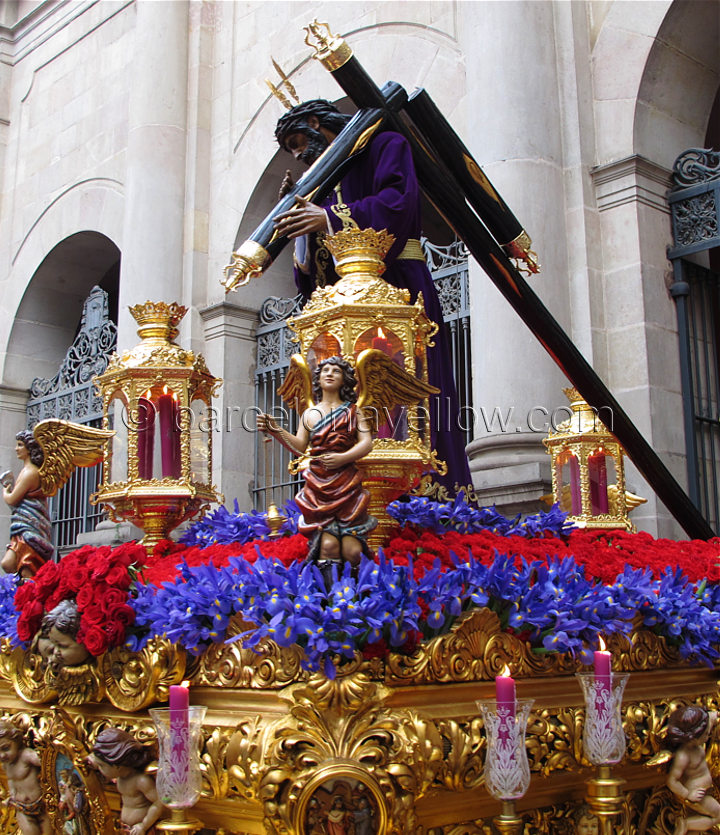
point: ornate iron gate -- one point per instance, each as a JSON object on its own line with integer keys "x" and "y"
{"x": 449, "y": 267}
{"x": 695, "y": 206}
{"x": 70, "y": 395}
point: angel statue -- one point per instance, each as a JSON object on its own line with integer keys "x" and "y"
{"x": 49, "y": 454}
{"x": 335, "y": 431}
{"x": 689, "y": 778}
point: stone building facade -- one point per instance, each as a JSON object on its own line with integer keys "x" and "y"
{"x": 136, "y": 149}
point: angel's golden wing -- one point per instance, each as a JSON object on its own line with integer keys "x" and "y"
{"x": 296, "y": 388}
{"x": 382, "y": 385}
{"x": 67, "y": 445}
{"x": 661, "y": 758}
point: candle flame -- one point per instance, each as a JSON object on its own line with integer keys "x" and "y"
{"x": 505, "y": 670}
{"x": 603, "y": 645}
{"x": 165, "y": 389}
{"x": 148, "y": 394}
{"x": 185, "y": 683}
{"x": 381, "y": 333}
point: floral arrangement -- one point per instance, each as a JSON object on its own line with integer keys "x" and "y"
{"x": 99, "y": 580}
{"x": 459, "y": 515}
{"x": 555, "y": 587}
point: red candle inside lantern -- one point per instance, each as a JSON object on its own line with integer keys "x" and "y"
{"x": 146, "y": 435}
{"x": 575, "y": 492}
{"x": 169, "y": 434}
{"x": 382, "y": 343}
{"x": 597, "y": 473}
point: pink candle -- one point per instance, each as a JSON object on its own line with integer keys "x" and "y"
{"x": 505, "y": 692}
{"x": 180, "y": 727}
{"x": 603, "y": 671}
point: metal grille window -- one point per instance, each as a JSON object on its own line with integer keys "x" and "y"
{"x": 70, "y": 395}
{"x": 695, "y": 207}
{"x": 275, "y": 347}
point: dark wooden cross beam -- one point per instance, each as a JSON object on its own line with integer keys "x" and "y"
{"x": 452, "y": 179}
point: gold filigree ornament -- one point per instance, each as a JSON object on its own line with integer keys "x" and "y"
{"x": 331, "y": 50}
{"x": 336, "y": 729}
{"x": 135, "y": 680}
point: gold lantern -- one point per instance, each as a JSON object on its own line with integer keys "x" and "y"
{"x": 362, "y": 311}
{"x": 157, "y": 397}
{"x": 588, "y": 471}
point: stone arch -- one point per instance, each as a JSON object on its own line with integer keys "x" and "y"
{"x": 68, "y": 248}
{"x": 679, "y": 83}
{"x": 47, "y": 316}
{"x": 619, "y": 58}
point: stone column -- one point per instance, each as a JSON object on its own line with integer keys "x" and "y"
{"x": 152, "y": 257}
{"x": 514, "y": 131}
{"x": 230, "y": 354}
{"x": 13, "y": 403}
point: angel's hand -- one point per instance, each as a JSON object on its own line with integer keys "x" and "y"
{"x": 287, "y": 185}
{"x": 302, "y": 219}
{"x": 696, "y": 795}
{"x": 332, "y": 460}
{"x": 267, "y": 424}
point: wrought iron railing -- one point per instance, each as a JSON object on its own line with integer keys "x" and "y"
{"x": 695, "y": 208}
{"x": 70, "y": 395}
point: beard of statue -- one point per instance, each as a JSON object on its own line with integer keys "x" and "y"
{"x": 316, "y": 144}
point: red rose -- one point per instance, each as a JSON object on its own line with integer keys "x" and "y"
{"x": 94, "y": 615}
{"x": 93, "y": 639}
{"x": 117, "y": 575}
{"x": 111, "y": 598}
{"x": 85, "y": 596}
{"x": 123, "y": 614}
{"x": 76, "y": 576}
{"x": 25, "y": 595}
{"x": 56, "y": 597}
{"x": 115, "y": 632}
{"x": 29, "y": 621}
{"x": 99, "y": 563}
{"x": 47, "y": 579}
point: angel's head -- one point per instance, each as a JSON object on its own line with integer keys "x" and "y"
{"x": 27, "y": 439}
{"x": 117, "y": 749}
{"x": 689, "y": 724}
{"x": 347, "y": 385}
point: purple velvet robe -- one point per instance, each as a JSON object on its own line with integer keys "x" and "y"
{"x": 382, "y": 192}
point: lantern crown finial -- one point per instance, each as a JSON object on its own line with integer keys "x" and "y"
{"x": 158, "y": 320}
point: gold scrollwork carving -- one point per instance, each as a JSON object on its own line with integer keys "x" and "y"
{"x": 134, "y": 680}
{"x": 336, "y": 726}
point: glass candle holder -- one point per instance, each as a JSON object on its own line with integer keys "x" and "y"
{"x": 179, "y": 779}
{"x": 603, "y": 735}
{"x": 507, "y": 771}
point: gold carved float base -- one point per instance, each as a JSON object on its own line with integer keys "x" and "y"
{"x": 400, "y": 734}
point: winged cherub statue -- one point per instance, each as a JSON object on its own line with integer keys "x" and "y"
{"x": 49, "y": 455}
{"x": 335, "y": 431}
